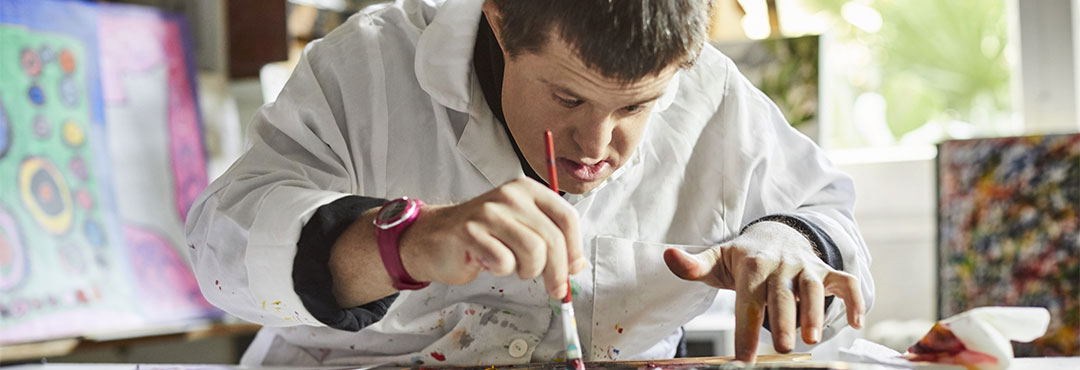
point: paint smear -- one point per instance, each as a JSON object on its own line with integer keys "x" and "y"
{"x": 575, "y": 287}
{"x": 438, "y": 356}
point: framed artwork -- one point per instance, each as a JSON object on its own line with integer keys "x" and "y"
{"x": 1009, "y": 232}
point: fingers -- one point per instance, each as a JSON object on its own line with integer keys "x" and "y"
{"x": 556, "y": 222}
{"x": 781, "y": 306}
{"x": 490, "y": 252}
{"x": 846, "y": 287}
{"x": 749, "y": 314}
{"x": 529, "y": 247}
{"x": 555, "y": 270}
{"x": 536, "y": 226}
{"x": 564, "y": 220}
{"x": 811, "y": 307}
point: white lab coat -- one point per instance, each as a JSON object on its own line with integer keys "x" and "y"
{"x": 388, "y": 105}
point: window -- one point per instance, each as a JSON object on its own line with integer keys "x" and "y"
{"x": 907, "y": 73}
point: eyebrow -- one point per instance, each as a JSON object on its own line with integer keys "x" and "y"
{"x": 568, "y": 91}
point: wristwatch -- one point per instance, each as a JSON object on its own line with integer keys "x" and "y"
{"x": 392, "y": 220}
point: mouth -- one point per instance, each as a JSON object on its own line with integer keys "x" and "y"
{"x": 584, "y": 172}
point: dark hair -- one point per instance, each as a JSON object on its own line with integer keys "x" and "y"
{"x": 624, "y": 40}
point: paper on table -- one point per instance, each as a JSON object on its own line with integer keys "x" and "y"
{"x": 864, "y": 351}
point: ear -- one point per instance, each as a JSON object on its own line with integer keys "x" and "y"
{"x": 494, "y": 18}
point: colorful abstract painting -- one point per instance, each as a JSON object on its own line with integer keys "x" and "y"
{"x": 1009, "y": 231}
{"x": 61, "y": 267}
{"x": 101, "y": 156}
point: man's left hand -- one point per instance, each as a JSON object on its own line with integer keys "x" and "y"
{"x": 771, "y": 266}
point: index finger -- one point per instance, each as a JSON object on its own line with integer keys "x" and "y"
{"x": 566, "y": 218}
{"x": 749, "y": 315}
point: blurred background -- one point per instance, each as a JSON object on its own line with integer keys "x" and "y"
{"x": 957, "y": 119}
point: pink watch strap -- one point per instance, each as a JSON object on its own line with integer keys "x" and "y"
{"x": 390, "y": 251}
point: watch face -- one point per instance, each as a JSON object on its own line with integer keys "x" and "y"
{"x": 392, "y": 211}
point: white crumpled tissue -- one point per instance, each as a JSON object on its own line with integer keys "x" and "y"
{"x": 976, "y": 339}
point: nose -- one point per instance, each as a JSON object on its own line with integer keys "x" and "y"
{"x": 593, "y": 138}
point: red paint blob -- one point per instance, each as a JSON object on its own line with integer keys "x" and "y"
{"x": 620, "y": 330}
{"x": 67, "y": 61}
{"x": 84, "y": 199}
{"x": 576, "y": 364}
{"x": 45, "y": 193}
{"x": 438, "y": 356}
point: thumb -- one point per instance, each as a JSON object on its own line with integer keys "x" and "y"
{"x": 691, "y": 266}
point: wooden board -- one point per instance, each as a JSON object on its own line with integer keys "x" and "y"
{"x": 788, "y": 361}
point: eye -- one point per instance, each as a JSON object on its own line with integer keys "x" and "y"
{"x": 634, "y": 108}
{"x": 569, "y": 103}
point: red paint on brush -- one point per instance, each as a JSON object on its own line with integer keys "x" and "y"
{"x": 553, "y": 178}
{"x": 576, "y": 364}
{"x": 553, "y": 183}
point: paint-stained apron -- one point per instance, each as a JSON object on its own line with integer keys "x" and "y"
{"x": 639, "y": 305}
{"x": 629, "y": 306}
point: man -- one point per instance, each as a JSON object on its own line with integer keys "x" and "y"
{"x": 672, "y": 165}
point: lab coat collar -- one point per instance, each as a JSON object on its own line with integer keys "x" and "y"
{"x": 444, "y": 53}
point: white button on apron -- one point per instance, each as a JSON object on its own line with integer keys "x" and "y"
{"x": 518, "y": 347}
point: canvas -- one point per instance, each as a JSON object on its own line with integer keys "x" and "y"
{"x": 1009, "y": 233}
{"x": 101, "y": 156}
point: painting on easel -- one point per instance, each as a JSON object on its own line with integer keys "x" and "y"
{"x": 88, "y": 242}
{"x": 1009, "y": 232}
{"x": 59, "y": 260}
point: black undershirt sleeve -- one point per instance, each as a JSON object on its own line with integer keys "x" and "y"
{"x": 311, "y": 267}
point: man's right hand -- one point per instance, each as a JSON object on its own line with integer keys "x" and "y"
{"x": 520, "y": 227}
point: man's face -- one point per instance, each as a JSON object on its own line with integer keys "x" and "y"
{"x": 596, "y": 122}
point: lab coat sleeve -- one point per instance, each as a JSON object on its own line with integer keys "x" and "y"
{"x": 787, "y": 173}
{"x": 243, "y": 230}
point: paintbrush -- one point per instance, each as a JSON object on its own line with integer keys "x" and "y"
{"x": 570, "y": 334}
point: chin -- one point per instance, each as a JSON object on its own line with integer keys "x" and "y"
{"x": 575, "y": 187}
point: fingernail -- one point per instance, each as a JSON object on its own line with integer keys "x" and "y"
{"x": 558, "y": 293}
{"x": 579, "y": 264}
{"x": 858, "y": 321}
{"x": 815, "y": 335}
{"x": 483, "y": 262}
